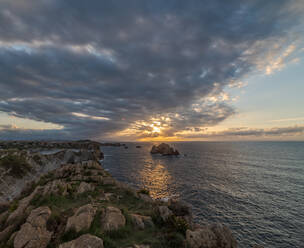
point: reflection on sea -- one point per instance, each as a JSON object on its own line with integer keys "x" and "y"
{"x": 156, "y": 178}
{"x": 255, "y": 188}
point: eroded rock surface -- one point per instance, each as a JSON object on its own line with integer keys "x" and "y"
{"x": 112, "y": 219}
{"x": 211, "y": 236}
{"x": 34, "y": 232}
{"x": 84, "y": 241}
{"x": 141, "y": 221}
{"x": 82, "y": 219}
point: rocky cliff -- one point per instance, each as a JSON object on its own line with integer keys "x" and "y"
{"x": 24, "y": 161}
{"x": 80, "y": 205}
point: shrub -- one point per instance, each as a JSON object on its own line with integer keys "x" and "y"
{"x": 17, "y": 165}
{"x": 179, "y": 224}
{"x": 144, "y": 191}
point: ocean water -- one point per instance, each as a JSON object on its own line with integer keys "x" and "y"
{"x": 255, "y": 188}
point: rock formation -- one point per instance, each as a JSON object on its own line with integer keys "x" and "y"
{"x": 30, "y": 159}
{"x": 80, "y": 205}
{"x": 164, "y": 149}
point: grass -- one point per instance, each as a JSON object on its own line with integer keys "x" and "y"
{"x": 17, "y": 165}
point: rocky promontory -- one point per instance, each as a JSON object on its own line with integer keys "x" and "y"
{"x": 23, "y": 161}
{"x": 79, "y": 205}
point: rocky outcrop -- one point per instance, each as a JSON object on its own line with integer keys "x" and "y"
{"x": 164, "y": 149}
{"x": 37, "y": 161}
{"x": 212, "y": 236}
{"x": 164, "y": 212}
{"x": 82, "y": 219}
{"x": 141, "y": 222}
{"x": 84, "y": 241}
{"x": 85, "y": 187}
{"x": 112, "y": 219}
{"x": 34, "y": 233}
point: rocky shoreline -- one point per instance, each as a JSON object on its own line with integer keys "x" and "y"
{"x": 79, "y": 204}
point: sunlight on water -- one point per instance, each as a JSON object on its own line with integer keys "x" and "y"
{"x": 156, "y": 178}
{"x": 255, "y": 188}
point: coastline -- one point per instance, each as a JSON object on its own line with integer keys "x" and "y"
{"x": 171, "y": 218}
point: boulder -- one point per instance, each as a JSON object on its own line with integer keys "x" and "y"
{"x": 34, "y": 232}
{"x": 146, "y": 198}
{"x": 164, "y": 149}
{"x": 82, "y": 219}
{"x": 182, "y": 209}
{"x": 84, "y": 241}
{"x": 85, "y": 187}
{"x": 211, "y": 236}
{"x": 19, "y": 214}
{"x": 141, "y": 222}
{"x": 112, "y": 219}
{"x": 164, "y": 212}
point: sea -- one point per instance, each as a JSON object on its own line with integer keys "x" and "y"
{"x": 255, "y": 188}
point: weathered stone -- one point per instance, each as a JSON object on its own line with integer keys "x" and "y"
{"x": 212, "y": 236}
{"x": 84, "y": 241}
{"x": 19, "y": 213}
{"x": 141, "y": 221}
{"x": 58, "y": 187}
{"x": 164, "y": 212}
{"x": 82, "y": 219}
{"x": 34, "y": 233}
{"x": 3, "y": 217}
{"x": 5, "y": 234}
{"x": 112, "y": 219}
{"x": 85, "y": 187}
{"x": 146, "y": 198}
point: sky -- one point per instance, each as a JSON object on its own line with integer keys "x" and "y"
{"x": 152, "y": 70}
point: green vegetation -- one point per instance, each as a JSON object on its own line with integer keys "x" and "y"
{"x": 16, "y": 164}
{"x": 144, "y": 191}
{"x": 13, "y": 206}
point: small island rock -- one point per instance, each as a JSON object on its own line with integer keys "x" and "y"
{"x": 164, "y": 149}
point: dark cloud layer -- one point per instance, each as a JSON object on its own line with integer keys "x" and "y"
{"x": 126, "y": 61}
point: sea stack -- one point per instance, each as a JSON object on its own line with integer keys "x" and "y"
{"x": 164, "y": 149}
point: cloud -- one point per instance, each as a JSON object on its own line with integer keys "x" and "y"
{"x": 118, "y": 63}
{"x": 244, "y": 132}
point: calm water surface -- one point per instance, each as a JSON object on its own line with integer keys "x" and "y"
{"x": 256, "y": 188}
